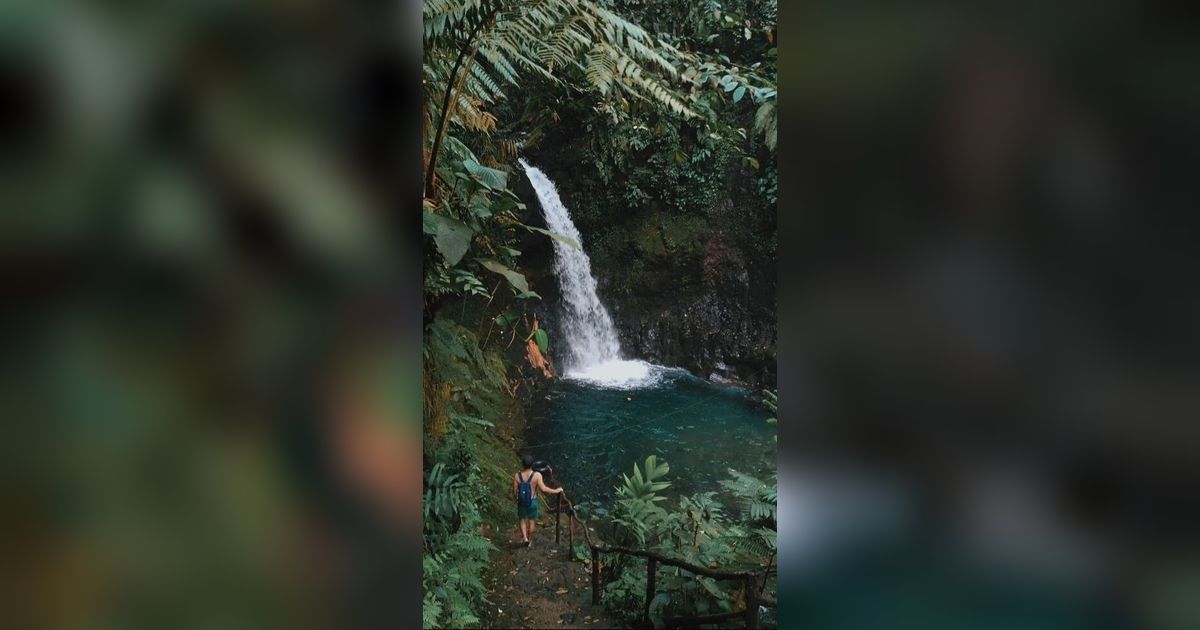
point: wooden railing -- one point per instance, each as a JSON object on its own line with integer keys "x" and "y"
{"x": 748, "y": 579}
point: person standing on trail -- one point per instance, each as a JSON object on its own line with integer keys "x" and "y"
{"x": 525, "y": 485}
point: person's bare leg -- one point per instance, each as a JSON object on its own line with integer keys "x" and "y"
{"x": 532, "y": 526}
{"x": 522, "y": 526}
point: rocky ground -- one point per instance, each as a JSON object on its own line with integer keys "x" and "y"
{"x": 540, "y": 586}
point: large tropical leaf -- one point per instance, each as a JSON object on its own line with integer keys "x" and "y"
{"x": 562, "y": 238}
{"x": 507, "y": 318}
{"x": 490, "y": 177}
{"x": 514, "y": 278}
{"x": 452, "y": 237}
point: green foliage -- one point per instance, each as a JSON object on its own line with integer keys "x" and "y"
{"x": 451, "y": 236}
{"x": 466, "y": 473}
{"x": 562, "y": 238}
{"x": 507, "y": 318}
{"x": 698, "y": 530}
{"x": 443, "y": 493}
{"x": 456, "y": 553}
{"x": 451, "y": 583}
{"x": 767, "y": 121}
{"x": 667, "y": 114}
{"x": 585, "y": 41}
{"x": 645, "y": 487}
{"x": 758, "y": 498}
{"x": 517, "y": 280}
{"x": 636, "y": 509}
{"x": 492, "y": 178}
{"x": 431, "y": 609}
{"x": 771, "y": 402}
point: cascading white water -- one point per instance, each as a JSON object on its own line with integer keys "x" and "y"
{"x": 592, "y": 350}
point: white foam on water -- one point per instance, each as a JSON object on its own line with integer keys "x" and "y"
{"x": 591, "y": 338}
{"x": 622, "y": 374}
{"x": 592, "y": 351}
{"x": 618, "y": 374}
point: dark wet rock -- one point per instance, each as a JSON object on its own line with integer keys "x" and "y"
{"x": 694, "y": 289}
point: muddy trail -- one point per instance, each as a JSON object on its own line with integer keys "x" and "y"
{"x": 540, "y": 586}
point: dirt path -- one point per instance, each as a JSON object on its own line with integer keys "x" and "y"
{"x": 539, "y": 586}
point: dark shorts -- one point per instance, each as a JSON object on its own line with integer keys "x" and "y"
{"x": 530, "y": 512}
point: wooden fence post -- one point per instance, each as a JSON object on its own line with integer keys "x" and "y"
{"x": 651, "y": 572}
{"x": 751, "y": 602}
{"x": 595, "y": 576}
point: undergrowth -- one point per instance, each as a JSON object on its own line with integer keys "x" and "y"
{"x": 698, "y": 529}
{"x": 470, "y": 419}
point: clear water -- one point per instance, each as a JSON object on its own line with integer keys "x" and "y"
{"x": 592, "y": 432}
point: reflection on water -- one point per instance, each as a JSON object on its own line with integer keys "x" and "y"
{"x": 592, "y": 433}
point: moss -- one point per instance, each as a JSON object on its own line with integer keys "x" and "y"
{"x": 650, "y": 241}
{"x": 685, "y": 235}
{"x": 478, "y": 396}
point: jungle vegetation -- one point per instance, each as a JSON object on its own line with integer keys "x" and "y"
{"x": 670, "y": 95}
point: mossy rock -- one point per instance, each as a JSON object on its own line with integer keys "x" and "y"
{"x": 650, "y": 242}
{"x": 685, "y": 235}
{"x": 479, "y": 393}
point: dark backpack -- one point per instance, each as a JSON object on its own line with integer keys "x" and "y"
{"x": 525, "y": 491}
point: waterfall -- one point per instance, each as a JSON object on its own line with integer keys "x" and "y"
{"x": 592, "y": 350}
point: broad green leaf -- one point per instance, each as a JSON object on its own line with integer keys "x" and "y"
{"x": 452, "y": 237}
{"x": 514, "y": 278}
{"x": 710, "y": 585}
{"x": 458, "y": 149}
{"x": 507, "y": 318}
{"x": 478, "y": 421}
{"x": 502, "y": 203}
{"x": 739, "y": 93}
{"x": 555, "y": 235}
{"x": 481, "y": 205}
{"x": 490, "y": 177}
{"x": 543, "y": 342}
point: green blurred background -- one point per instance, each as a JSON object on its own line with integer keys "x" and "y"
{"x": 211, "y": 366}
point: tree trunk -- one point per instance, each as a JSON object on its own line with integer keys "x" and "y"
{"x": 443, "y": 116}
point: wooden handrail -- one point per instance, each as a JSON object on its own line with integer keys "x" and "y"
{"x": 700, "y": 620}
{"x": 683, "y": 564}
{"x": 753, "y": 598}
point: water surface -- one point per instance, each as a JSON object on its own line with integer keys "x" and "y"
{"x": 593, "y": 432}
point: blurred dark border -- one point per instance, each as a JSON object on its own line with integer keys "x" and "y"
{"x": 988, "y": 297}
{"x": 211, "y": 376}
{"x": 987, "y": 372}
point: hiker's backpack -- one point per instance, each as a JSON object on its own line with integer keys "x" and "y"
{"x": 525, "y": 491}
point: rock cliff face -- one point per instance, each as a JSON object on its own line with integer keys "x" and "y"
{"x": 711, "y": 337}
{"x": 692, "y": 290}
{"x": 710, "y": 310}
